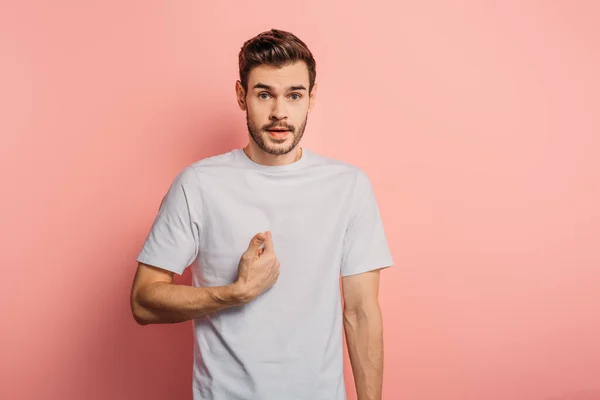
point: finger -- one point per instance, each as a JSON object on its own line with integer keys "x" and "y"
{"x": 269, "y": 248}
{"x": 256, "y": 241}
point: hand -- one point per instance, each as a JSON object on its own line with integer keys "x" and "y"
{"x": 258, "y": 269}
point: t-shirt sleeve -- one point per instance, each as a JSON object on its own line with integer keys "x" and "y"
{"x": 172, "y": 243}
{"x": 365, "y": 244}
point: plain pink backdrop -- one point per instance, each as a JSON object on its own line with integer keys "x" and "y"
{"x": 478, "y": 123}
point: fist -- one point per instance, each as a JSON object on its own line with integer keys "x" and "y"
{"x": 258, "y": 269}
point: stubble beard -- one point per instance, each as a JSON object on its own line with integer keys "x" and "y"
{"x": 258, "y": 135}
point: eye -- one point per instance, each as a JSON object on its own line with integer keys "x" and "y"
{"x": 260, "y": 95}
{"x": 299, "y": 96}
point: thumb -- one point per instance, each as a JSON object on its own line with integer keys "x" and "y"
{"x": 269, "y": 248}
{"x": 257, "y": 240}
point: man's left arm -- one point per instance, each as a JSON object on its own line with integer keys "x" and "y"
{"x": 364, "y": 332}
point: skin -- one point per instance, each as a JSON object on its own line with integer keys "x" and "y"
{"x": 363, "y": 326}
{"x": 155, "y": 299}
{"x": 276, "y": 97}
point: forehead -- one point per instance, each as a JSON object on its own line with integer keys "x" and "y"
{"x": 279, "y": 77}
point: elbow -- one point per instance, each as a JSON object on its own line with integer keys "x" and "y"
{"x": 139, "y": 318}
{"x": 364, "y": 313}
{"x": 351, "y": 318}
{"x": 138, "y": 314}
{"x": 138, "y": 311}
{"x": 350, "y": 313}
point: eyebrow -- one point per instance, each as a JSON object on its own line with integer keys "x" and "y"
{"x": 267, "y": 87}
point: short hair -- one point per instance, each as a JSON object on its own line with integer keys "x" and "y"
{"x": 277, "y": 48}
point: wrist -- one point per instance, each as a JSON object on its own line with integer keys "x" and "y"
{"x": 240, "y": 293}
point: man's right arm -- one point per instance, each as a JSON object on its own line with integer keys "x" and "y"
{"x": 155, "y": 299}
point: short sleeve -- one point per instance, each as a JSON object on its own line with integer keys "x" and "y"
{"x": 365, "y": 243}
{"x": 172, "y": 243}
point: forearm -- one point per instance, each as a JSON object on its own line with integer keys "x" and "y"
{"x": 364, "y": 337}
{"x": 163, "y": 302}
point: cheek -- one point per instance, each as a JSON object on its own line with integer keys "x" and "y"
{"x": 258, "y": 113}
{"x": 300, "y": 113}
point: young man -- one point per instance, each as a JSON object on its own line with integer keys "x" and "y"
{"x": 268, "y": 230}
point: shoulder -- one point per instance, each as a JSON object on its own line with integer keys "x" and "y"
{"x": 189, "y": 175}
{"x": 219, "y": 160}
{"x": 354, "y": 173}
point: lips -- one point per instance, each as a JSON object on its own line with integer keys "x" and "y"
{"x": 276, "y": 133}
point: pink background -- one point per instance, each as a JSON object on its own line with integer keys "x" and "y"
{"x": 478, "y": 123}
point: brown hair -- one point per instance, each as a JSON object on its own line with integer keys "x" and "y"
{"x": 276, "y": 48}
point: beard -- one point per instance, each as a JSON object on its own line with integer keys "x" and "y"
{"x": 262, "y": 139}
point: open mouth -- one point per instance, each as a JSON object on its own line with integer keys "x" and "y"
{"x": 278, "y": 132}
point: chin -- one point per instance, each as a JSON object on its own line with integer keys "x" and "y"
{"x": 278, "y": 148}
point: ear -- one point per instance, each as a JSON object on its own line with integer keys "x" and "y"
{"x": 312, "y": 97}
{"x": 241, "y": 95}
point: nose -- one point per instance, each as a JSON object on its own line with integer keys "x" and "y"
{"x": 279, "y": 110}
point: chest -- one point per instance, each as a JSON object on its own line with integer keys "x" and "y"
{"x": 307, "y": 220}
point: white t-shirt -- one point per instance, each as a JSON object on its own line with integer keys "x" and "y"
{"x": 325, "y": 222}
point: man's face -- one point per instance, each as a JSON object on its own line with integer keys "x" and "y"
{"x": 277, "y": 104}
